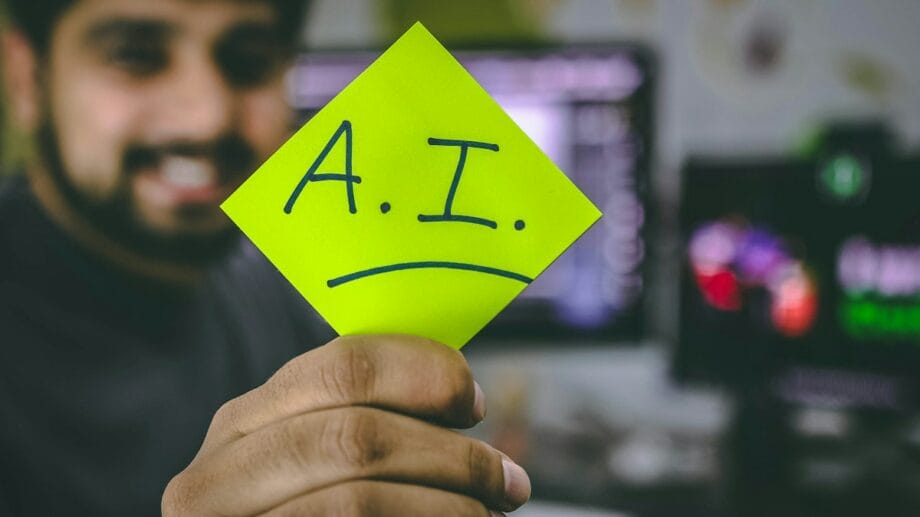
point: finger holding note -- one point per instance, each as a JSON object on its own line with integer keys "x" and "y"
{"x": 356, "y": 423}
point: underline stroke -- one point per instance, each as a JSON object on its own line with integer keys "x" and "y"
{"x": 335, "y": 282}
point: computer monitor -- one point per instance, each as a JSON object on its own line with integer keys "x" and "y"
{"x": 590, "y": 110}
{"x": 799, "y": 273}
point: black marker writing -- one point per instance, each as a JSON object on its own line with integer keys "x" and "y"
{"x": 448, "y": 215}
{"x": 349, "y": 178}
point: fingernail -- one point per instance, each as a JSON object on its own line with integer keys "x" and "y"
{"x": 517, "y": 484}
{"x": 479, "y": 403}
{"x": 493, "y": 513}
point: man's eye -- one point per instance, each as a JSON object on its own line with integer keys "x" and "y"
{"x": 249, "y": 66}
{"x": 138, "y": 58}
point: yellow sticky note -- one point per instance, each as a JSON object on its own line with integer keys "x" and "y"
{"x": 411, "y": 203}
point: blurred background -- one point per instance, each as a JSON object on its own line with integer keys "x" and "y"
{"x": 740, "y": 333}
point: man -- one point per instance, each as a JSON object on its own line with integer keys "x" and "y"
{"x": 130, "y": 313}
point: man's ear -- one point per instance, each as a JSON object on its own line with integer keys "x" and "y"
{"x": 20, "y": 74}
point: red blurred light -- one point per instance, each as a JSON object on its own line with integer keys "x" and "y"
{"x": 795, "y": 306}
{"x": 720, "y": 289}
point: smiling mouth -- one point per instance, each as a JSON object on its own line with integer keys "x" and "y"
{"x": 463, "y": 266}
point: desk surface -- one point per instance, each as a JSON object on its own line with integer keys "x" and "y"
{"x": 543, "y": 509}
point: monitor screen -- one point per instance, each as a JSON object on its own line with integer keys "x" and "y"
{"x": 589, "y": 109}
{"x": 801, "y": 266}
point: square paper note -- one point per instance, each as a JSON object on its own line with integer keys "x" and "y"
{"x": 411, "y": 203}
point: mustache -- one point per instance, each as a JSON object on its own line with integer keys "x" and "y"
{"x": 231, "y": 154}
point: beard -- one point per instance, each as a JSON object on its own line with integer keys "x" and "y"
{"x": 116, "y": 215}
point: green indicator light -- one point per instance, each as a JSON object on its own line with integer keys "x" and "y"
{"x": 844, "y": 177}
{"x": 874, "y": 319}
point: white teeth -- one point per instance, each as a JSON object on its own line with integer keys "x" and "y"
{"x": 188, "y": 173}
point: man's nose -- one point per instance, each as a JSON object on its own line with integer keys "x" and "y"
{"x": 201, "y": 105}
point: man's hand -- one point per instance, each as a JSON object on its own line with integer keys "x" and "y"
{"x": 357, "y": 427}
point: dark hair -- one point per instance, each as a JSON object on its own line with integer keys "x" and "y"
{"x": 38, "y": 18}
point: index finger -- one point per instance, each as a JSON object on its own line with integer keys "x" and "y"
{"x": 407, "y": 374}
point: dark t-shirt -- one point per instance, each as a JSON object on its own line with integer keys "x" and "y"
{"x": 107, "y": 382}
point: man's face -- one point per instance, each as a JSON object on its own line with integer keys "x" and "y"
{"x": 157, "y": 110}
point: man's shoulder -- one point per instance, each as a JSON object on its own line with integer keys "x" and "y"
{"x": 247, "y": 273}
{"x": 13, "y": 188}
{"x": 257, "y": 292}
{"x": 14, "y": 194}
{"x": 246, "y": 268}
